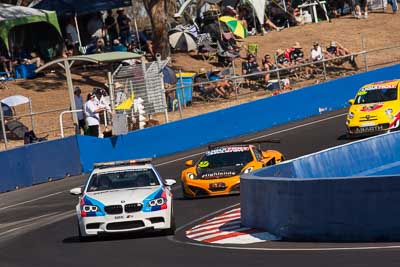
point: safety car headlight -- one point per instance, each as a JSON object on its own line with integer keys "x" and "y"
{"x": 157, "y": 202}
{"x": 191, "y": 175}
{"x": 248, "y": 170}
{"x": 350, "y": 115}
{"x": 90, "y": 208}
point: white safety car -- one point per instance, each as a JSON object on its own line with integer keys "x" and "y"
{"x": 124, "y": 196}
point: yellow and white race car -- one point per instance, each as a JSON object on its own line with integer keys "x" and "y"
{"x": 375, "y": 109}
{"x": 218, "y": 170}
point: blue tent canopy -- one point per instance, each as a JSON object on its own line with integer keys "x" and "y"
{"x": 71, "y": 7}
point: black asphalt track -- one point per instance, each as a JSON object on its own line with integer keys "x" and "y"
{"x": 38, "y": 228}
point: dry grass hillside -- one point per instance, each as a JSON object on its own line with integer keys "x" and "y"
{"x": 379, "y": 30}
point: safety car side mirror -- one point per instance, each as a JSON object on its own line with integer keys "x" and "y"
{"x": 170, "y": 182}
{"x": 76, "y": 191}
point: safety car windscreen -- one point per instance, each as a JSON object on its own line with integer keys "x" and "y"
{"x": 122, "y": 179}
{"x": 376, "y": 95}
{"x": 226, "y": 156}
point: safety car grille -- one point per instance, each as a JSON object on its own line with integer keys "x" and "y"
{"x": 368, "y": 118}
{"x": 124, "y": 225}
{"x": 113, "y": 209}
{"x": 134, "y": 207}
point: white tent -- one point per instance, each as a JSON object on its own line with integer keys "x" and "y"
{"x": 259, "y": 8}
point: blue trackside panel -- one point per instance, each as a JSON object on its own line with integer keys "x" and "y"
{"x": 37, "y": 163}
{"x": 231, "y": 122}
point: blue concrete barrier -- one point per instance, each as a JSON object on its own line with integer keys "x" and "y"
{"x": 181, "y": 135}
{"x": 333, "y": 195}
{"x": 232, "y": 122}
{"x": 37, "y": 163}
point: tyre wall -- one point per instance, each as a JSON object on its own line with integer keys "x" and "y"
{"x": 347, "y": 193}
{"x": 38, "y": 163}
{"x": 231, "y": 122}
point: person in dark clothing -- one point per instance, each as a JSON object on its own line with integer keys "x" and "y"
{"x": 124, "y": 27}
{"x": 146, "y": 40}
{"x": 296, "y": 55}
{"x": 251, "y": 67}
{"x": 111, "y": 27}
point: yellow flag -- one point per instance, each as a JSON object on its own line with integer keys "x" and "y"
{"x": 127, "y": 104}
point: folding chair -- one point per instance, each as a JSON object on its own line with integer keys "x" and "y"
{"x": 252, "y": 48}
{"x": 4, "y": 79}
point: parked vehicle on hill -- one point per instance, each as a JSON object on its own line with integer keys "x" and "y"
{"x": 375, "y": 109}
{"x": 124, "y": 196}
{"x": 218, "y": 170}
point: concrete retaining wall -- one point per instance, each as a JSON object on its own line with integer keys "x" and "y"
{"x": 334, "y": 195}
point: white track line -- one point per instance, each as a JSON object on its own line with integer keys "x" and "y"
{"x": 31, "y": 200}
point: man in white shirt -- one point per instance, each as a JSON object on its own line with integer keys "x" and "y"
{"x": 92, "y": 111}
{"x": 316, "y": 52}
{"x": 79, "y": 105}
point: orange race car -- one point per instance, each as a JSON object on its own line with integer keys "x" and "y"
{"x": 218, "y": 170}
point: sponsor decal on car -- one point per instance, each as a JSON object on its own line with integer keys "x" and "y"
{"x": 371, "y": 107}
{"x": 228, "y": 149}
{"x": 218, "y": 174}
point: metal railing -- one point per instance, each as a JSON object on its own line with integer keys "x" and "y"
{"x": 367, "y": 59}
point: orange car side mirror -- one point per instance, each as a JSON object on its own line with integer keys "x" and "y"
{"x": 189, "y": 163}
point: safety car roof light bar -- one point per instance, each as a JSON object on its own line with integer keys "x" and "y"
{"x": 122, "y": 163}
{"x": 273, "y": 141}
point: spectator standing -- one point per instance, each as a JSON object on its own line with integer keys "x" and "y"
{"x": 124, "y": 27}
{"x": 111, "y": 27}
{"x": 361, "y": 5}
{"x": 316, "y": 52}
{"x": 79, "y": 105}
{"x": 72, "y": 34}
{"x": 92, "y": 111}
{"x": 393, "y": 3}
{"x": 95, "y": 26}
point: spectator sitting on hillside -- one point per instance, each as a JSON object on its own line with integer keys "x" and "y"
{"x": 268, "y": 65}
{"x": 220, "y": 82}
{"x": 96, "y": 48}
{"x": 295, "y": 54}
{"x": 146, "y": 40}
{"x": 118, "y": 47}
{"x": 316, "y": 52}
{"x": 281, "y": 60}
{"x": 251, "y": 67}
{"x": 22, "y": 57}
{"x": 204, "y": 88}
{"x": 337, "y": 50}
